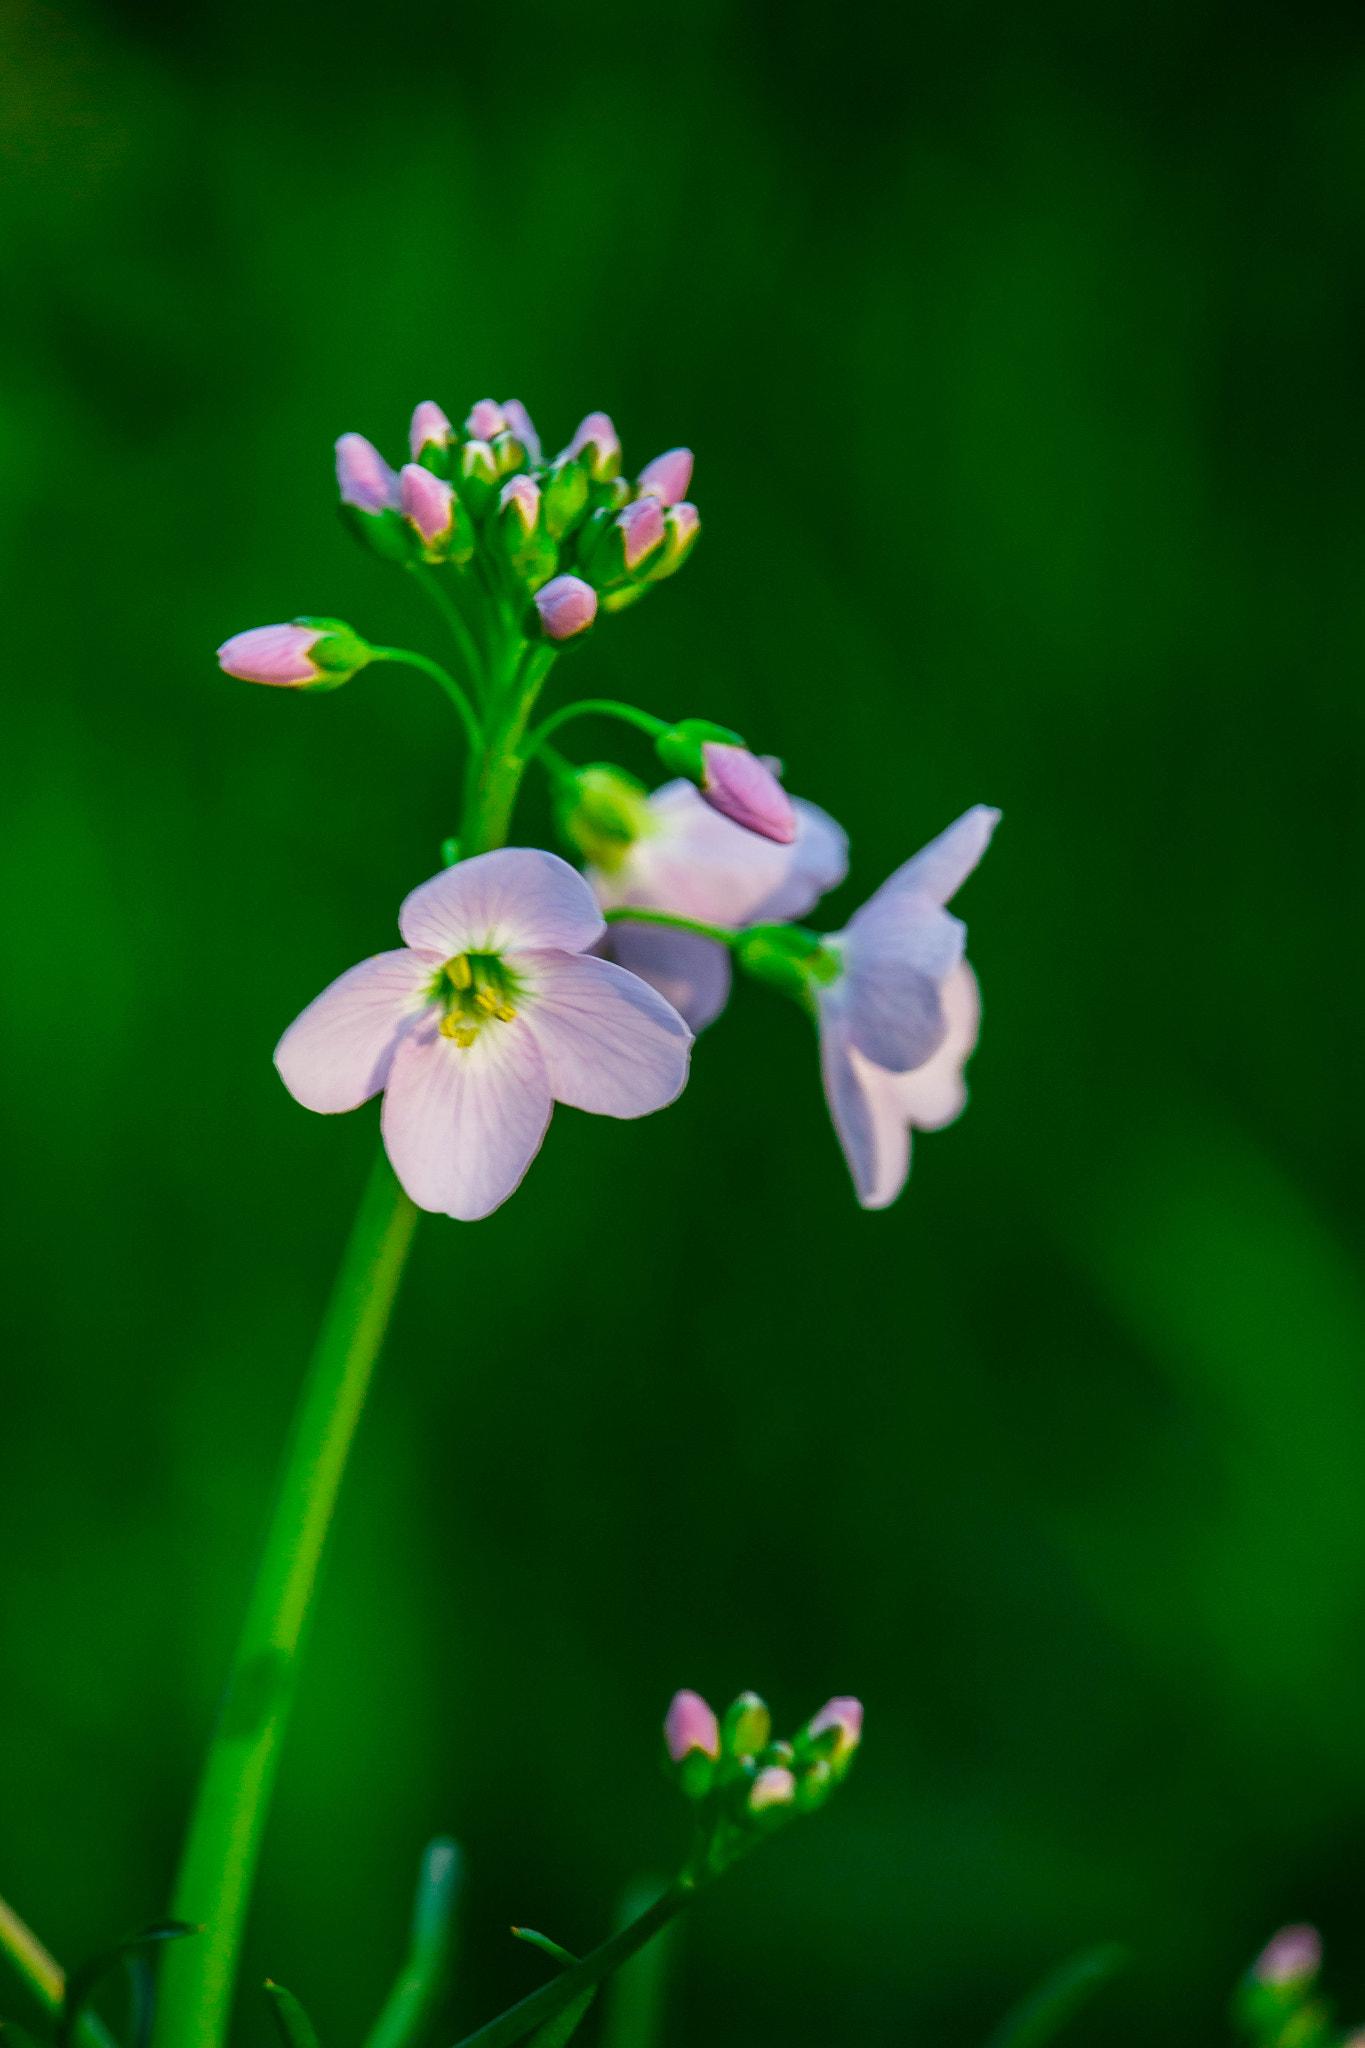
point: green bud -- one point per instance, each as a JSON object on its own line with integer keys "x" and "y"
{"x": 680, "y": 747}
{"x": 476, "y": 476}
{"x": 745, "y": 1726}
{"x": 813, "y": 1787}
{"x": 601, "y": 811}
{"x": 628, "y": 594}
{"x": 386, "y": 534}
{"x": 508, "y": 453}
{"x": 788, "y": 958}
{"x": 565, "y": 497}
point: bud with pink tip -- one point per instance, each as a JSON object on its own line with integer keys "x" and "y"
{"x": 615, "y": 549}
{"x": 522, "y": 492}
{"x": 682, "y": 524}
{"x": 667, "y": 476}
{"x": 430, "y": 429}
{"x": 736, "y": 784}
{"x": 519, "y": 423}
{"x": 363, "y": 477}
{"x": 642, "y": 529}
{"x": 567, "y": 605}
{"x": 477, "y": 476}
{"x": 427, "y": 503}
{"x": 691, "y": 1743}
{"x": 486, "y": 418}
{"x": 307, "y": 654}
{"x": 595, "y": 441}
{"x": 833, "y": 1735}
{"x": 774, "y": 1786}
{"x": 1291, "y": 1957}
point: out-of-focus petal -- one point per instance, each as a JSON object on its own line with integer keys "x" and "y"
{"x": 667, "y": 476}
{"x": 363, "y": 477}
{"x": 934, "y": 1094}
{"x": 817, "y": 861}
{"x": 610, "y": 1043}
{"x": 337, "y": 1053}
{"x": 698, "y": 863}
{"x": 519, "y": 420}
{"x": 895, "y": 965}
{"x": 463, "y": 1123}
{"x": 513, "y": 900}
{"x": 939, "y": 869}
{"x": 925, "y": 1099}
{"x": 691, "y": 973}
{"x": 848, "y": 1107}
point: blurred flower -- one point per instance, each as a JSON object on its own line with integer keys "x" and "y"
{"x": 486, "y": 1018}
{"x": 363, "y": 477}
{"x": 595, "y": 437}
{"x": 1293, "y": 1956}
{"x": 428, "y": 503}
{"x": 519, "y": 423}
{"x": 487, "y": 419}
{"x": 682, "y": 524}
{"x": 774, "y": 1786}
{"x": 524, "y": 493}
{"x": 667, "y": 476}
{"x": 899, "y": 1016}
{"x": 738, "y": 785}
{"x": 305, "y": 654}
{"x": 697, "y": 863}
{"x": 567, "y": 605}
{"x": 690, "y": 1724}
{"x": 642, "y": 528}
{"x": 430, "y": 427}
{"x": 845, "y": 1714}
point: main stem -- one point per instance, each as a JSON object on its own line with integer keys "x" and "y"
{"x": 213, "y": 1889}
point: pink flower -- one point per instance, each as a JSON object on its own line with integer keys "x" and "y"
{"x": 739, "y": 786}
{"x": 524, "y": 492}
{"x": 567, "y": 605}
{"x": 363, "y": 477}
{"x": 642, "y": 528}
{"x": 486, "y": 1017}
{"x": 690, "y": 1724}
{"x": 426, "y": 502}
{"x": 899, "y": 1021}
{"x": 774, "y": 1786}
{"x": 271, "y": 654}
{"x": 1292, "y": 1956}
{"x": 596, "y": 431}
{"x": 486, "y": 418}
{"x": 429, "y": 426}
{"x": 667, "y": 476}
{"x": 846, "y": 1714}
{"x": 697, "y": 863}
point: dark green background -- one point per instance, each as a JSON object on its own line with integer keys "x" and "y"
{"x": 1021, "y": 349}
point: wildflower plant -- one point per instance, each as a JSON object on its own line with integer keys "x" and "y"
{"x": 527, "y": 977}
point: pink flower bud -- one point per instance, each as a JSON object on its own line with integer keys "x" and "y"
{"x": 739, "y": 786}
{"x": 667, "y": 476}
{"x": 845, "y": 1714}
{"x": 683, "y": 521}
{"x": 485, "y": 420}
{"x": 426, "y": 502}
{"x": 519, "y": 422}
{"x": 524, "y": 492}
{"x": 642, "y": 525}
{"x": 429, "y": 425}
{"x": 596, "y": 431}
{"x": 1292, "y": 1956}
{"x": 363, "y": 477}
{"x": 567, "y": 605}
{"x": 271, "y": 654}
{"x": 689, "y": 1724}
{"x": 774, "y": 1786}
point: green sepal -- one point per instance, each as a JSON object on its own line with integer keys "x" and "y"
{"x": 475, "y": 476}
{"x": 564, "y": 497}
{"x": 680, "y": 747}
{"x": 450, "y": 853}
{"x": 436, "y": 458}
{"x": 508, "y": 453}
{"x": 695, "y": 1775}
{"x": 386, "y": 534}
{"x": 295, "y": 2028}
{"x": 605, "y": 564}
{"x": 675, "y": 551}
{"x": 788, "y": 958}
{"x": 82, "y": 1984}
{"x": 1281, "y": 2015}
{"x": 618, "y": 600}
{"x": 745, "y": 1726}
{"x": 339, "y": 654}
{"x": 531, "y": 554}
{"x": 601, "y": 811}
{"x": 813, "y": 1786}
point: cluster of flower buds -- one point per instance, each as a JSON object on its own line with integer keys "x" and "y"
{"x": 741, "y": 1781}
{"x": 1278, "y": 2004}
{"x": 567, "y": 534}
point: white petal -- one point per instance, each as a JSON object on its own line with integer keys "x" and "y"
{"x": 939, "y": 869}
{"x": 890, "y": 1105}
{"x": 463, "y": 1123}
{"x": 898, "y": 951}
{"x": 336, "y": 1055}
{"x": 697, "y": 863}
{"x": 610, "y": 1042}
{"x": 848, "y": 1105}
{"x": 817, "y": 862}
{"x": 690, "y": 973}
{"x": 506, "y": 901}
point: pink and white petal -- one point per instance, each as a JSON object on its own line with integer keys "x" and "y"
{"x": 696, "y": 863}
{"x": 817, "y": 862}
{"x": 939, "y": 869}
{"x": 511, "y": 900}
{"x": 849, "y": 1107}
{"x": 610, "y": 1042}
{"x": 462, "y": 1123}
{"x": 934, "y": 1094}
{"x": 691, "y": 973}
{"x": 336, "y": 1054}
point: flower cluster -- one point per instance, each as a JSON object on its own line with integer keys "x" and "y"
{"x": 569, "y": 533}
{"x": 742, "y": 1782}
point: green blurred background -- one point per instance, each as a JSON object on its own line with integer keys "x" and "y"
{"x": 1021, "y": 349}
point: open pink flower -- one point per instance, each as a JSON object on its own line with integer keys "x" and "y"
{"x": 900, "y": 1020}
{"x": 486, "y": 1017}
{"x": 697, "y": 863}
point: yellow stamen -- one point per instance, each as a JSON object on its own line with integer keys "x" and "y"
{"x": 506, "y": 1012}
{"x": 486, "y": 1001}
{"x": 450, "y": 1026}
{"x": 457, "y": 971}
{"x": 466, "y": 1034}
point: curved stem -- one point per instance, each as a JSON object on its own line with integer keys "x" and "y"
{"x": 447, "y": 682}
{"x": 219, "y": 1861}
{"x": 454, "y": 618}
{"x": 719, "y": 932}
{"x": 551, "y": 1998}
{"x": 599, "y": 707}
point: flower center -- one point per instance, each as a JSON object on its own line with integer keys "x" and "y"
{"x": 474, "y": 989}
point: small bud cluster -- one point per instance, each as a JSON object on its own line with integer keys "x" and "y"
{"x": 741, "y": 1781}
{"x": 565, "y": 535}
{"x": 1278, "y": 2003}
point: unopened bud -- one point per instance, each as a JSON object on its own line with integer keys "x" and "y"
{"x": 477, "y": 476}
{"x": 667, "y": 476}
{"x": 523, "y": 494}
{"x": 641, "y": 525}
{"x": 602, "y": 811}
{"x": 519, "y": 422}
{"x": 363, "y": 477}
{"x": 486, "y": 419}
{"x": 746, "y": 1727}
{"x": 307, "y": 654}
{"x": 692, "y": 1741}
{"x": 428, "y": 505}
{"x": 774, "y": 1786}
{"x": 1291, "y": 1957}
{"x": 430, "y": 429}
{"x": 567, "y": 605}
{"x": 735, "y": 783}
{"x": 682, "y": 524}
{"x": 836, "y": 1732}
{"x": 614, "y": 549}
{"x": 565, "y": 495}
{"x": 508, "y": 453}
{"x": 595, "y": 440}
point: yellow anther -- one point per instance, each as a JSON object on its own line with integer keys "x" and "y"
{"x": 486, "y": 1001}
{"x": 506, "y": 1012}
{"x": 457, "y": 971}
{"x": 450, "y": 1026}
{"x": 467, "y": 1034}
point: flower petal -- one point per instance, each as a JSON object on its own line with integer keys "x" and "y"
{"x": 610, "y": 1042}
{"x": 880, "y": 1109}
{"x": 817, "y": 861}
{"x": 512, "y": 900}
{"x": 898, "y": 951}
{"x": 848, "y": 1106}
{"x": 692, "y": 974}
{"x": 698, "y": 863}
{"x": 336, "y": 1054}
{"x": 463, "y": 1123}
{"x": 939, "y": 869}
{"x": 933, "y": 1095}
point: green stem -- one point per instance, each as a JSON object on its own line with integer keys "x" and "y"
{"x": 597, "y": 707}
{"x": 719, "y": 932}
{"x": 45, "y": 1977}
{"x": 219, "y": 1860}
{"x": 454, "y": 618}
{"x": 496, "y": 776}
{"x": 447, "y": 682}
{"x": 551, "y": 1998}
